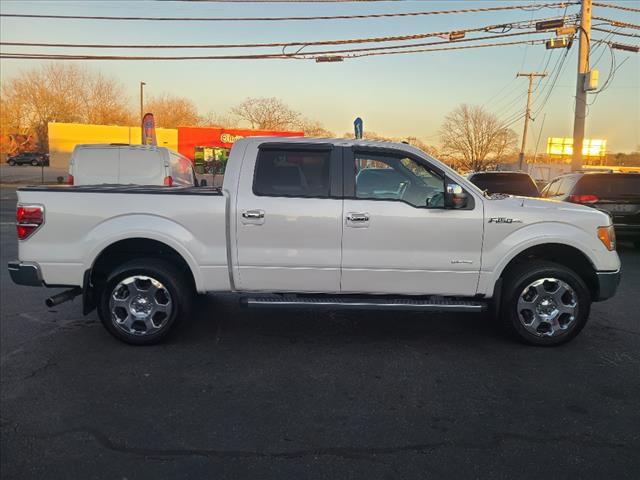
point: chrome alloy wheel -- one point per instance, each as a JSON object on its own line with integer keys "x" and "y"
{"x": 140, "y": 305}
{"x": 547, "y": 307}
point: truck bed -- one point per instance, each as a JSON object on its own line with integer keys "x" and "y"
{"x": 80, "y": 222}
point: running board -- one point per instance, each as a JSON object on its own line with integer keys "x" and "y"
{"x": 430, "y": 304}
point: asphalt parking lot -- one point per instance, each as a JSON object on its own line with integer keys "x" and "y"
{"x": 303, "y": 394}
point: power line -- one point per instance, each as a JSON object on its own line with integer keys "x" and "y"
{"x": 387, "y": 47}
{"x": 488, "y": 28}
{"x": 516, "y": 116}
{"x": 617, "y": 7}
{"x": 419, "y": 50}
{"x": 616, "y": 33}
{"x": 618, "y": 23}
{"x": 275, "y": 19}
{"x": 41, "y": 56}
{"x": 549, "y": 86}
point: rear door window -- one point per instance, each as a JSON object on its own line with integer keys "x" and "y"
{"x": 293, "y": 173}
{"x": 609, "y": 185}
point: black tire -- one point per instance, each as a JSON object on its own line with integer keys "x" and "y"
{"x": 170, "y": 277}
{"x": 523, "y": 275}
{"x": 637, "y": 244}
{"x": 11, "y": 162}
{"x": 35, "y": 163}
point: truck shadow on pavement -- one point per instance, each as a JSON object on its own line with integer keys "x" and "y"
{"x": 221, "y": 318}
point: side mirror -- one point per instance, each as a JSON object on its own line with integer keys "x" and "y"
{"x": 455, "y": 196}
{"x": 203, "y": 182}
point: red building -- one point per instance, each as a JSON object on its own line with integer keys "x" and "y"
{"x": 192, "y": 138}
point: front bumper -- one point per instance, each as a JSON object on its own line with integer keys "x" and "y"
{"x": 25, "y": 273}
{"x": 607, "y": 284}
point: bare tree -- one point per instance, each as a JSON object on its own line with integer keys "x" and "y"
{"x": 313, "y": 128}
{"x": 267, "y": 114}
{"x": 212, "y": 119}
{"x": 60, "y": 93}
{"x": 475, "y": 137}
{"x": 171, "y": 111}
{"x": 425, "y": 147}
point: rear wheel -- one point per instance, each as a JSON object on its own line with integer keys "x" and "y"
{"x": 35, "y": 163}
{"x": 143, "y": 300}
{"x": 544, "y": 303}
{"x": 11, "y": 162}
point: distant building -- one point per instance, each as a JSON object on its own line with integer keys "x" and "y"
{"x": 203, "y": 145}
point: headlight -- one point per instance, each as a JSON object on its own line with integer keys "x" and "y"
{"x": 607, "y": 236}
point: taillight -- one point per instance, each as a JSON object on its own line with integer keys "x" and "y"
{"x": 583, "y": 198}
{"x": 168, "y": 181}
{"x": 70, "y": 179}
{"x": 28, "y": 219}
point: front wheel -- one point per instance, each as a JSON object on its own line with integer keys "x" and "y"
{"x": 143, "y": 300}
{"x": 35, "y": 163}
{"x": 544, "y": 303}
{"x": 11, "y": 162}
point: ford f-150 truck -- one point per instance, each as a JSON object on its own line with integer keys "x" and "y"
{"x": 318, "y": 223}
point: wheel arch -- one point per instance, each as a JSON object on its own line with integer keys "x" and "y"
{"x": 562, "y": 254}
{"x": 121, "y": 250}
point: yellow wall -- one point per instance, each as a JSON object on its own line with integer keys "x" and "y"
{"x": 63, "y": 137}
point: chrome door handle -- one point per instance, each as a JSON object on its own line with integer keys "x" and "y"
{"x": 358, "y": 217}
{"x": 253, "y": 214}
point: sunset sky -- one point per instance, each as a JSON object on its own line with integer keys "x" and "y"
{"x": 396, "y": 95}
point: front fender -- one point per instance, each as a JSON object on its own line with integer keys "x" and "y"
{"x": 497, "y": 253}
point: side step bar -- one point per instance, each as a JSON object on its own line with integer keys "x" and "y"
{"x": 430, "y": 304}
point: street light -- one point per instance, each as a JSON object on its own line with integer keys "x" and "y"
{"x": 142, "y": 84}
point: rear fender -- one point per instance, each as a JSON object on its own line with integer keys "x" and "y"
{"x": 150, "y": 227}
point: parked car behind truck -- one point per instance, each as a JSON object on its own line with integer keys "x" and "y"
{"x": 510, "y": 183}
{"x": 618, "y": 194}
{"x": 129, "y": 164}
{"x": 295, "y": 224}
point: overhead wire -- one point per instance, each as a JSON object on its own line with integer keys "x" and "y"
{"x": 381, "y": 39}
{"x": 290, "y": 18}
{"x": 617, "y": 23}
{"x": 616, "y": 32}
{"x": 248, "y": 56}
{"x": 549, "y": 86}
{"x": 395, "y": 47}
{"x": 617, "y": 7}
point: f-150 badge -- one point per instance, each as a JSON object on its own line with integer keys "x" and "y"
{"x": 504, "y": 220}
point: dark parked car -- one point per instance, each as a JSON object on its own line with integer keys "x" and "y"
{"x": 615, "y": 193}
{"x": 29, "y": 158}
{"x": 512, "y": 183}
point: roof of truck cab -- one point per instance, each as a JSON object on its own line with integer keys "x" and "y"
{"x": 342, "y": 142}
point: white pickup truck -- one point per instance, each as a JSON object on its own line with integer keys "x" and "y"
{"x": 318, "y": 223}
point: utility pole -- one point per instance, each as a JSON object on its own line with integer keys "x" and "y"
{"x": 527, "y": 115}
{"x": 142, "y": 84}
{"x": 581, "y": 94}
